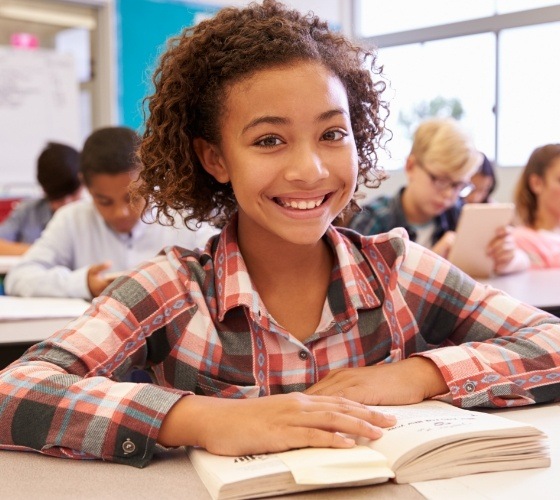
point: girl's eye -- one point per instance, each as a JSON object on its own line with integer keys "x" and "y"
{"x": 268, "y": 142}
{"x": 334, "y": 135}
{"x": 104, "y": 203}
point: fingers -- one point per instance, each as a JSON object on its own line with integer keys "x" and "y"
{"x": 276, "y": 423}
{"x": 99, "y": 268}
{"x": 502, "y": 247}
{"x": 337, "y": 424}
{"x": 96, "y": 281}
{"x": 338, "y": 383}
{"x": 346, "y": 407}
{"x": 325, "y": 421}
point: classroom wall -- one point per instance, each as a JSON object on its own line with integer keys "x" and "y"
{"x": 144, "y": 26}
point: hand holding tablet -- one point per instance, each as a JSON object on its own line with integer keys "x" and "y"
{"x": 477, "y": 226}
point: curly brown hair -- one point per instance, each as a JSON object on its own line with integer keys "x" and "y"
{"x": 192, "y": 81}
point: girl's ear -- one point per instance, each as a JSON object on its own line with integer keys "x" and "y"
{"x": 535, "y": 184}
{"x": 211, "y": 159}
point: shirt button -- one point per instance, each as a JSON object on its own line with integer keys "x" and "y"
{"x": 469, "y": 386}
{"x": 303, "y": 355}
{"x": 128, "y": 446}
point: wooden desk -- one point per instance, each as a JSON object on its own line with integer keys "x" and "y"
{"x": 539, "y": 287}
{"x": 171, "y": 475}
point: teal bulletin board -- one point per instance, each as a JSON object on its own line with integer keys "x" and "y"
{"x": 143, "y": 27}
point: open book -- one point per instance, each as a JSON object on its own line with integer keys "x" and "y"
{"x": 431, "y": 440}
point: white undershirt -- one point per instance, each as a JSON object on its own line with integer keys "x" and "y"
{"x": 424, "y": 233}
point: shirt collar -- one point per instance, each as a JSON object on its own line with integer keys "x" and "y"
{"x": 353, "y": 285}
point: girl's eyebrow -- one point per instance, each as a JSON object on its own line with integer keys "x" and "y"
{"x": 279, "y": 120}
{"x": 273, "y": 120}
{"x": 327, "y": 115}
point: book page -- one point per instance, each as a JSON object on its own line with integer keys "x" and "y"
{"x": 312, "y": 466}
{"x": 542, "y": 483}
{"x": 335, "y": 466}
{"x": 427, "y": 425}
{"x": 234, "y": 469}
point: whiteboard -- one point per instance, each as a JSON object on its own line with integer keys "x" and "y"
{"x": 39, "y": 102}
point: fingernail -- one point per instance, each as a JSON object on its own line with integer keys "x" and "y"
{"x": 390, "y": 418}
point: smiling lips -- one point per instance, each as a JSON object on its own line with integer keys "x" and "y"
{"x": 299, "y": 204}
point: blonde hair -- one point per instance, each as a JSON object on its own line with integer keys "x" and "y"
{"x": 443, "y": 142}
{"x": 525, "y": 200}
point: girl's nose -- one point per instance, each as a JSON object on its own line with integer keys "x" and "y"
{"x": 122, "y": 211}
{"x": 307, "y": 166}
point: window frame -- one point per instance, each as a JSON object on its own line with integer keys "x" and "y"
{"x": 493, "y": 24}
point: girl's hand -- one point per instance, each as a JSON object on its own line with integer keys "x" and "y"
{"x": 404, "y": 382}
{"x": 505, "y": 254}
{"x": 269, "y": 424}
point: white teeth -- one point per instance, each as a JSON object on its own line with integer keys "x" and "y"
{"x": 302, "y": 204}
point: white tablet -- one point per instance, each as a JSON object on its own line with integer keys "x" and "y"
{"x": 477, "y": 226}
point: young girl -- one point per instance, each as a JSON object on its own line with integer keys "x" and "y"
{"x": 277, "y": 334}
{"x": 484, "y": 183}
{"x": 537, "y": 198}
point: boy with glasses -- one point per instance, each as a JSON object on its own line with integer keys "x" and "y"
{"x": 439, "y": 169}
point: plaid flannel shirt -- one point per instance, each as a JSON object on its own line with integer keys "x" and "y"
{"x": 194, "y": 320}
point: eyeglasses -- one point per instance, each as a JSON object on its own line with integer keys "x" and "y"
{"x": 443, "y": 183}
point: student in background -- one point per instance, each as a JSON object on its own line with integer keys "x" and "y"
{"x": 537, "y": 200}
{"x": 275, "y": 335}
{"x": 57, "y": 173}
{"x": 484, "y": 183}
{"x": 87, "y": 239}
{"x": 439, "y": 169}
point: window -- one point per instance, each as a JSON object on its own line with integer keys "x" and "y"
{"x": 486, "y": 61}
{"x": 377, "y": 17}
{"x": 452, "y": 77}
{"x": 529, "y": 99}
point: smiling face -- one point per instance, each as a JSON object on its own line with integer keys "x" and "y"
{"x": 288, "y": 150}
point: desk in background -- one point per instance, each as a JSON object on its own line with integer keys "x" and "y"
{"x": 6, "y": 263}
{"x": 171, "y": 475}
{"x": 26, "y": 321}
{"x": 537, "y": 287}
